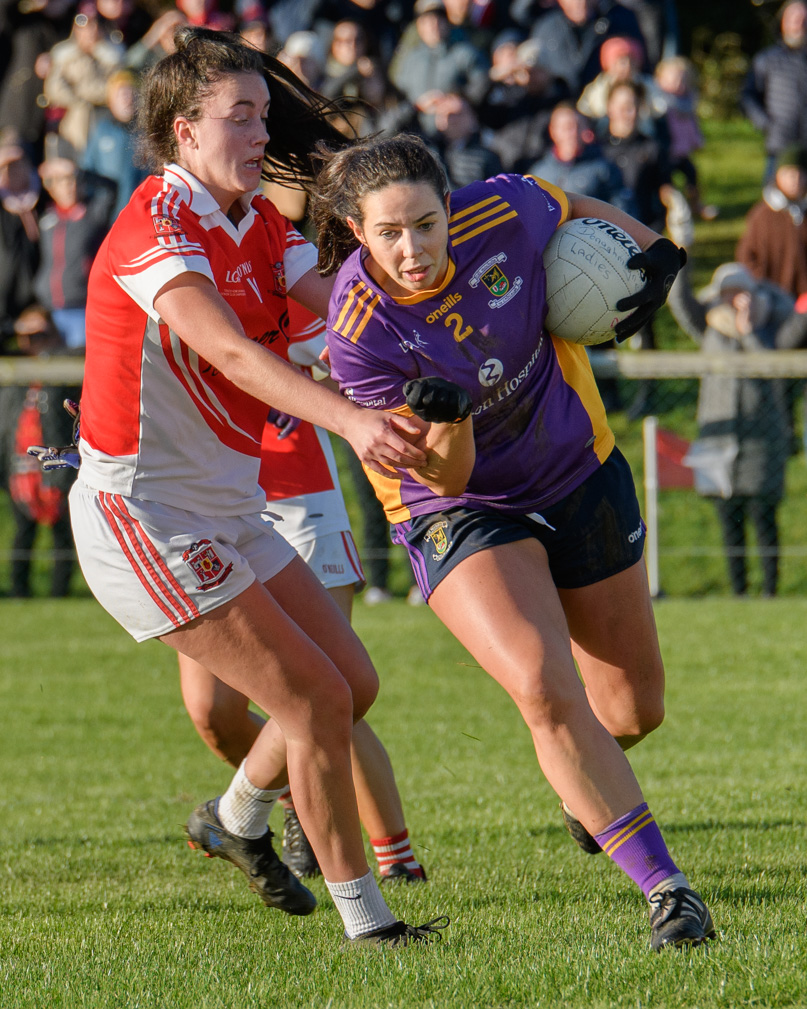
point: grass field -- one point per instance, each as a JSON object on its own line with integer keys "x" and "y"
{"x": 103, "y": 905}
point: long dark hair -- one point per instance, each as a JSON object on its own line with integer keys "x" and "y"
{"x": 299, "y": 118}
{"x": 348, "y": 175}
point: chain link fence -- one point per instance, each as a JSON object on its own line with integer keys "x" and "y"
{"x": 707, "y": 534}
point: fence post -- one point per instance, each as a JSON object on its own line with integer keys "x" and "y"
{"x": 649, "y": 429}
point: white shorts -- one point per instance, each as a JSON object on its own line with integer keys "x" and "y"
{"x": 333, "y": 558}
{"x": 155, "y": 568}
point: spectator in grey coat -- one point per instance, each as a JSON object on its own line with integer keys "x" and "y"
{"x": 572, "y": 35}
{"x": 774, "y": 95}
{"x": 437, "y": 64}
{"x": 742, "y": 421}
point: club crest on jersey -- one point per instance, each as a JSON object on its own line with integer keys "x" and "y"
{"x": 495, "y": 281}
{"x": 436, "y": 535}
{"x": 164, "y": 225}
{"x": 279, "y": 277}
{"x": 206, "y": 564}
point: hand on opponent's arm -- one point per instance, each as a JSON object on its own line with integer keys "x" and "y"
{"x": 444, "y": 409}
{"x": 660, "y": 260}
{"x": 192, "y": 307}
{"x": 65, "y": 456}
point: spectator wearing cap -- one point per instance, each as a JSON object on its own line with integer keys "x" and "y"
{"x": 773, "y": 245}
{"x": 572, "y": 36}
{"x": 459, "y": 143}
{"x": 438, "y": 63}
{"x": 71, "y": 231}
{"x": 304, "y": 53}
{"x": 20, "y": 192}
{"x": 516, "y": 109}
{"x": 76, "y": 81}
{"x": 622, "y": 59}
{"x": 111, "y": 149}
{"x": 774, "y": 94}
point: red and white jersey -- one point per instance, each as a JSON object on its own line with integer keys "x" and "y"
{"x": 158, "y": 422}
{"x": 298, "y": 473}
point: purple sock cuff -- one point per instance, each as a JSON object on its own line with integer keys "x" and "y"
{"x": 635, "y": 844}
{"x": 636, "y": 818}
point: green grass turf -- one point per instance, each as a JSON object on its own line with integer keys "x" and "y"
{"x": 102, "y": 904}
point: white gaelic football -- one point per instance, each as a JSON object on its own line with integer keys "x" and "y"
{"x": 586, "y": 275}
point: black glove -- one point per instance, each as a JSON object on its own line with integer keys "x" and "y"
{"x": 660, "y": 264}
{"x": 437, "y": 400}
{"x": 284, "y": 422}
{"x": 64, "y": 456}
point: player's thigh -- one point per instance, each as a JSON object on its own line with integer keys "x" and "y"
{"x": 318, "y": 614}
{"x": 257, "y": 649}
{"x": 502, "y": 605}
{"x": 615, "y": 641}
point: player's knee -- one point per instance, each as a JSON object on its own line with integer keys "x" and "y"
{"x": 364, "y": 693}
{"x": 222, "y": 733}
{"x": 640, "y": 723}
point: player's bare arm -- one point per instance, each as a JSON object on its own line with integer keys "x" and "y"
{"x": 194, "y": 310}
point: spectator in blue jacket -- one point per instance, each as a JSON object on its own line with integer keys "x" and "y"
{"x": 110, "y": 149}
{"x": 774, "y": 95}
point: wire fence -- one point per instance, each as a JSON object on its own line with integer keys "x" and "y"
{"x": 723, "y": 498}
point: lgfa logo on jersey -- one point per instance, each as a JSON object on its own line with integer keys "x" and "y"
{"x": 206, "y": 564}
{"x": 436, "y": 535}
{"x": 496, "y": 281}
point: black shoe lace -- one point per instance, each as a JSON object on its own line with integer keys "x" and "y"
{"x": 674, "y": 904}
{"x": 423, "y": 933}
{"x": 293, "y": 836}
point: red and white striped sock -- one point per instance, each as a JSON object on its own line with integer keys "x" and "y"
{"x": 391, "y": 850}
{"x": 285, "y": 798}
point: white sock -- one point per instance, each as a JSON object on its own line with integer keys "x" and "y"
{"x": 670, "y": 883}
{"x": 244, "y": 809}
{"x": 361, "y": 905}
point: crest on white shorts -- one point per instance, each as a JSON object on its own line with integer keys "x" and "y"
{"x": 206, "y": 564}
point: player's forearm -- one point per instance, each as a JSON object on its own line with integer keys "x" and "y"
{"x": 587, "y": 206}
{"x": 450, "y": 458}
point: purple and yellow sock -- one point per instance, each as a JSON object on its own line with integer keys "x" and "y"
{"x": 635, "y": 843}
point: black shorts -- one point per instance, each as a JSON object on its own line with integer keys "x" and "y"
{"x": 593, "y": 533}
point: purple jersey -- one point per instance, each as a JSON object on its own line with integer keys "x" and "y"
{"x": 539, "y": 424}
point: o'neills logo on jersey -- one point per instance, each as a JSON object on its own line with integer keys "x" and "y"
{"x": 206, "y": 564}
{"x": 450, "y": 301}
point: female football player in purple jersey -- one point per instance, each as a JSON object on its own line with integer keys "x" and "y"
{"x": 524, "y": 530}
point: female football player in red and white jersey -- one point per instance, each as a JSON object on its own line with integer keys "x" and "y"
{"x": 186, "y": 294}
{"x": 299, "y": 476}
{"x": 524, "y": 530}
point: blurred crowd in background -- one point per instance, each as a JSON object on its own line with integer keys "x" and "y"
{"x": 591, "y": 95}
